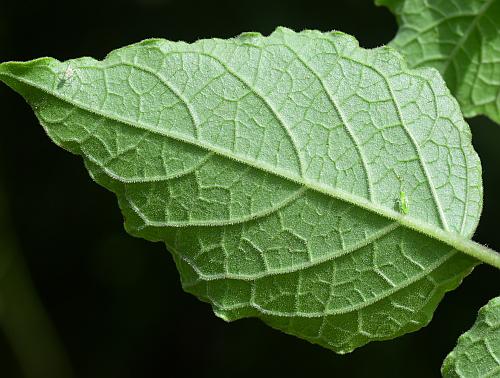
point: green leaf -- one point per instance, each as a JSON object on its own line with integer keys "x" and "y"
{"x": 459, "y": 38}
{"x": 272, "y": 168}
{"x": 477, "y": 353}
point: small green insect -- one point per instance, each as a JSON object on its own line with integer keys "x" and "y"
{"x": 403, "y": 203}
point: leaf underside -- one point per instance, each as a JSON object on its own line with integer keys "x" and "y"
{"x": 477, "y": 353}
{"x": 271, "y": 167}
{"x": 459, "y": 38}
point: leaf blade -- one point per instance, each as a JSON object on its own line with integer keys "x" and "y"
{"x": 477, "y": 353}
{"x": 460, "y": 39}
{"x": 257, "y": 161}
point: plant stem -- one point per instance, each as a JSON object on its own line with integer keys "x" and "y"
{"x": 23, "y": 319}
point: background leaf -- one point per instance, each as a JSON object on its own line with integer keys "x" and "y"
{"x": 462, "y": 40}
{"x": 271, "y": 168}
{"x": 477, "y": 353}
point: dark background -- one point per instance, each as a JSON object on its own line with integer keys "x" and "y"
{"x": 115, "y": 301}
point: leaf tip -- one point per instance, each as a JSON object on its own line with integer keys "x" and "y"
{"x": 11, "y": 72}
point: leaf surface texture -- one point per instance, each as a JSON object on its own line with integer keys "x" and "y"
{"x": 477, "y": 353}
{"x": 461, "y": 39}
{"x": 271, "y": 167}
